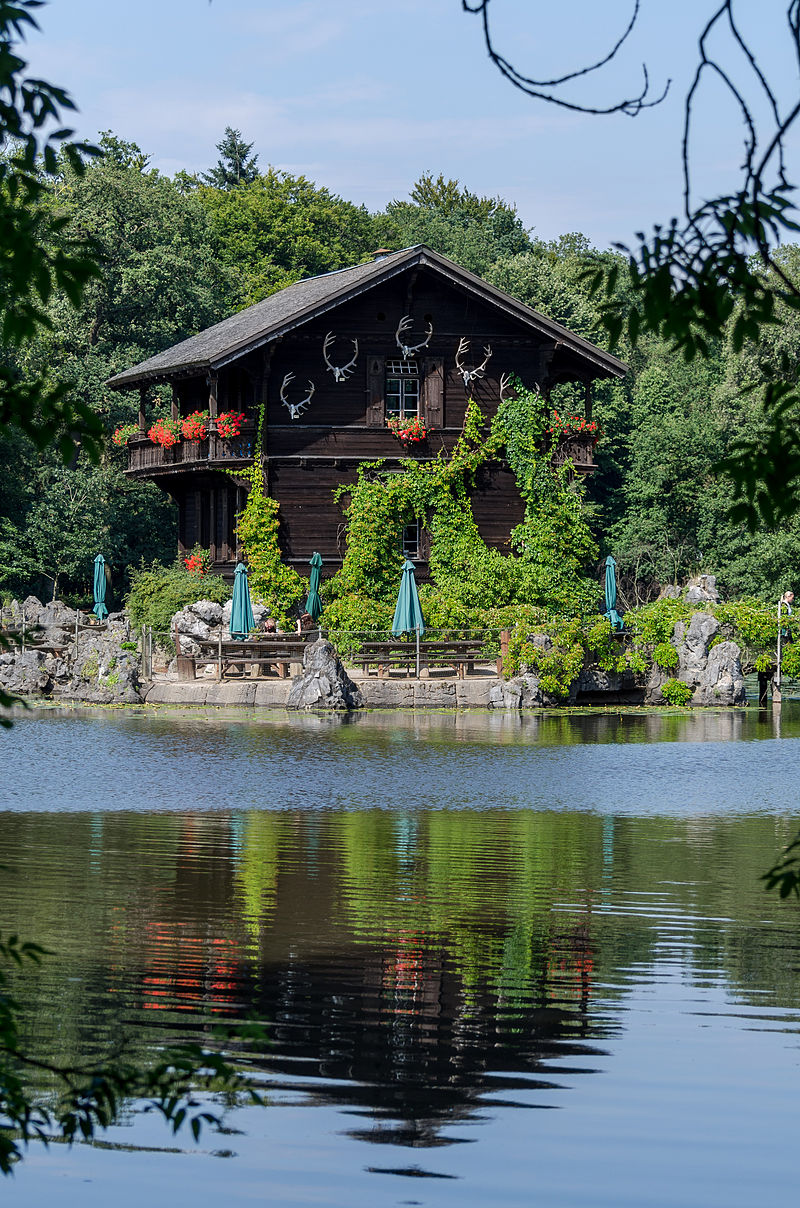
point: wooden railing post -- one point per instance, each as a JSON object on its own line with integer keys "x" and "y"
{"x": 504, "y": 636}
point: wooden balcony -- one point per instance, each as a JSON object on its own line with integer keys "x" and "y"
{"x": 147, "y": 460}
{"x": 579, "y": 449}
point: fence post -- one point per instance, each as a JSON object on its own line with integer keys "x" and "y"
{"x": 504, "y": 635}
{"x": 23, "y": 632}
{"x": 77, "y": 622}
{"x": 219, "y": 657}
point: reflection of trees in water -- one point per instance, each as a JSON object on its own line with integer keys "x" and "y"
{"x": 396, "y": 1037}
{"x": 423, "y": 959}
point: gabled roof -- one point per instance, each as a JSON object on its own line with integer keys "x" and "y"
{"x": 308, "y": 299}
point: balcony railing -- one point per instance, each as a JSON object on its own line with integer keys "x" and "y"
{"x": 577, "y": 448}
{"x": 216, "y": 451}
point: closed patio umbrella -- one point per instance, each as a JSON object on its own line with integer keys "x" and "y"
{"x": 407, "y": 613}
{"x": 100, "y": 610}
{"x": 611, "y": 594}
{"x": 314, "y": 603}
{"x": 242, "y": 619}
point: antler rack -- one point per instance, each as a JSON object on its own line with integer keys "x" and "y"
{"x": 295, "y": 409}
{"x": 340, "y": 372}
{"x": 405, "y": 324}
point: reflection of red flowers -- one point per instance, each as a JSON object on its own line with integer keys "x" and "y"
{"x": 165, "y": 432}
{"x": 195, "y": 426}
{"x": 229, "y": 423}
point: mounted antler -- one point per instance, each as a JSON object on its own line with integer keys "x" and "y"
{"x": 505, "y": 382}
{"x": 471, "y": 375}
{"x": 405, "y": 324}
{"x": 295, "y": 409}
{"x": 340, "y": 373}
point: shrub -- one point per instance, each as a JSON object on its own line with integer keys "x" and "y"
{"x": 675, "y": 692}
{"x": 158, "y": 592}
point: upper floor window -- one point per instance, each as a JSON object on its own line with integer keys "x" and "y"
{"x": 402, "y": 388}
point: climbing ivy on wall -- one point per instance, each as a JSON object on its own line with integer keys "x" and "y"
{"x": 272, "y": 582}
{"x": 549, "y": 549}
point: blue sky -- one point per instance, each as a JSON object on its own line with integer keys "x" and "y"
{"x": 363, "y": 96}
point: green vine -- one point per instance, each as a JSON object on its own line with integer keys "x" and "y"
{"x": 272, "y": 582}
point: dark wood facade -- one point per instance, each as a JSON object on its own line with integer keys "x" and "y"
{"x": 344, "y": 424}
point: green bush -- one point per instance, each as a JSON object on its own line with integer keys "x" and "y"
{"x": 665, "y": 655}
{"x": 158, "y": 592}
{"x": 675, "y": 692}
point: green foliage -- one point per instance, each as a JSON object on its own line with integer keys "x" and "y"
{"x": 89, "y": 1099}
{"x": 554, "y": 650}
{"x": 158, "y": 592}
{"x": 785, "y": 873}
{"x": 39, "y": 255}
{"x": 665, "y": 655}
{"x": 271, "y": 581}
{"x": 675, "y": 692}
{"x": 474, "y": 231}
{"x": 278, "y": 228}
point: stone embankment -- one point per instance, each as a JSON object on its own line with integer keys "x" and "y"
{"x": 67, "y": 657}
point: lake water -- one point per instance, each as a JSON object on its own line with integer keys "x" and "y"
{"x": 500, "y": 960}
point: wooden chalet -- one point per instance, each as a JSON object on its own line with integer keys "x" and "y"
{"x": 333, "y": 358}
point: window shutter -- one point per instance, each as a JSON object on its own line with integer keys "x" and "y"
{"x": 433, "y": 392}
{"x": 376, "y": 386}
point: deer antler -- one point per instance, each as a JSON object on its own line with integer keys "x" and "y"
{"x": 295, "y": 409}
{"x": 471, "y": 375}
{"x": 505, "y": 382}
{"x": 405, "y": 324}
{"x": 340, "y": 373}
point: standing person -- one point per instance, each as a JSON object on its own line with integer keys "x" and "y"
{"x": 786, "y": 601}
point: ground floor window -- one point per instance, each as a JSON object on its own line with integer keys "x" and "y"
{"x": 411, "y": 540}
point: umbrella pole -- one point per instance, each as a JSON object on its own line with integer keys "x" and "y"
{"x": 416, "y": 630}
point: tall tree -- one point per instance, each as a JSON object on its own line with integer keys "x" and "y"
{"x": 236, "y": 166}
{"x": 474, "y": 231}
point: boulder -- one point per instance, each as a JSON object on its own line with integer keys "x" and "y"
{"x": 722, "y": 681}
{"x": 25, "y": 674}
{"x": 323, "y": 682}
{"x": 520, "y": 692}
{"x": 208, "y": 611}
{"x": 702, "y": 590}
{"x": 714, "y": 673}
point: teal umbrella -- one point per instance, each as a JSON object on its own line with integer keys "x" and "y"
{"x": 242, "y": 619}
{"x": 313, "y": 603}
{"x": 611, "y": 594}
{"x": 408, "y": 614}
{"x": 100, "y": 610}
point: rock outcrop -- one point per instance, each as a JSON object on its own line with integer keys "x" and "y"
{"x": 95, "y": 667}
{"x": 323, "y": 682}
{"x": 206, "y": 621}
{"x": 713, "y": 672}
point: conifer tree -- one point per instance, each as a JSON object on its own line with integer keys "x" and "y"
{"x": 236, "y": 165}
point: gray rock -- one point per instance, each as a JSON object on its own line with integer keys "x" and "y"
{"x": 323, "y": 682}
{"x": 670, "y": 591}
{"x": 693, "y": 644}
{"x": 713, "y": 673}
{"x": 702, "y": 590}
{"x": 722, "y": 681}
{"x": 25, "y": 674}
{"x": 188, "y": 625}
{"x": 208, "y": 611}
{"x": 521, "y": 692}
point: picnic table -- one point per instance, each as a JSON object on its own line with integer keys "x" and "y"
{"x": 459, "y": 654}
{"x": 257, "y": 654}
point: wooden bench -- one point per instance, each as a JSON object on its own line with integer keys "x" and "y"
{"x": 461, "y": 655}
{"x": 259, "y": 654}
